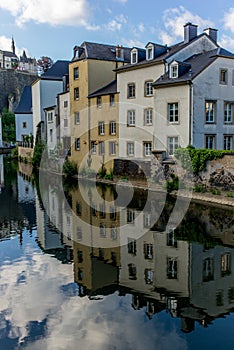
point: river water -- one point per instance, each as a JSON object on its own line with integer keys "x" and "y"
{"x": 104, "y": 267}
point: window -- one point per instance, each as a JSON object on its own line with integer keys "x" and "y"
{"x": 208, "y": 269}
{"x": 131, "y": 93}
{"x": 101, "y": 148}
{"x": 76, "y": 93}
{"x": 101, "y": 128}
{"x": 78, "y": 209}
{"x": 149, "y": 53}
{"x": 210, "y": 109}
{"x": 77, "y": 118}
{"x": 99, "y": 102}
{"x": 80, "y": 256}
{"x": 147, "y": 148}
{"x": 79, "y": 234}
{"x": 147, "y": 219}
{"x": 51, "y": 135}
{"x": 149, "y": 276}
{"x": 130, "y": 216}
{"x": 148, "y": 88}
{"x": 223, "y": 76}
{"x": 132, "y": 246}
{"x": 76, "y": 73}
{"x": 148, "y": 116}
{"x": 102, "y": 230}
{"x": 174, "y": 71}
{"x": 112, "y": 100}
{"x": 171, "y": 240}
{"x": 173, "y": 112}
{"x": 219, "y": 298}
{"x": 225, "y": 264}
{"x": 134, "y": 56}
{"x": 228, "y": 112}
{"x": 77, "y": 144}
{"x": 93, "y": 147}
{"x": 112, "y": 128}
{"x": 80, "y": 274}
{"x": 228, "y": 142}
{"x": 24, "y": 125}
{"x": 132, "y": 272}
{"x": 130, "y": 149}
{"x": 65, "y": 121}
{"x": 148, "y": 251}
{"x": 172, "y": 144}
{"x": 102, "y": 210}
{"x": 131, "y": 118}
{"x": 65, "y": 104}
{"x": 210, "y": 141}
{"x": 112, "y": 147}
{"x": 50, "y": 116}
{"x": 113, "y": 213}
{"x": 113, "y": 233}
{"x": 171, "y": 268}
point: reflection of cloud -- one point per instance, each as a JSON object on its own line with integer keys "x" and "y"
{"x": 69, "y": 12}
{"x": 73, "y": 322}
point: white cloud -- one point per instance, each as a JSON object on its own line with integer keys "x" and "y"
{"x": 116, "y": 23}
{"x": 5, "y": 44}
{"x": 229, "y": 20}
{"x": 227, "y": 42}
{"x": 141, "y": 27}
{"x": 121, "y": 1}
{"x": 133, "y": 43}
{"x": 53, "y": 12}
{"x": 174, "y": 20}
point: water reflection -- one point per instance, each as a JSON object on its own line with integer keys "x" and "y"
{"x": 86, "y": 275}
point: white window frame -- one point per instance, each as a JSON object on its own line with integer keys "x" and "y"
{"x": 77, "y": 118}
{"x": 210, "y": 141}
{"x": 147, "y": 146}
{"x": 101, "y": 128}
{"x": 131, "y": 90}
{"x": 210, "y": 111}
{"x": 134, "y": 56}
{"x": 149, "y": 52}
{"x": 112, "y": 100}
{"x": 112, "y": 148}
{"x": 99, "y": 102}
{"x": 93, "y": 147}
{"x": 101, "y": 148}
{"x": 76, "y": 93}
{"x": 172, "y": 144}
{"x": 130, "y": 149}
{"x": 223, "y": 76}
{"x": 50, "y": 117}
{"x": 77, "y": 144}
{"x": 174, "y": 71}
{"x": 173, "y": 112}
{"x": 112, "y": 126}
{"x": 76, "y": 73}
{"x": 228, "y": 112}
{"x": 149, "y": 88}
{"x": 148, "y": 116}
{"x": 228, "y": 142}
{"x": 131, "y": 117}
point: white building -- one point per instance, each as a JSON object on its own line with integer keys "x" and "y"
{"x": 23, "y": 116}
{"x": 44, "y": 93}
{"x": 63, "y": 102}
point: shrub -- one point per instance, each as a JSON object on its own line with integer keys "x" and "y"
{"x": 37, "y": 154}
{"x": 215, "y": 191}
{"x": 172, "y": 185}
{"x": 230, "y": 194}
{"x": 70, "y": 169}
{"x": 102, "y": 172}
{"x": 200, "y": 188}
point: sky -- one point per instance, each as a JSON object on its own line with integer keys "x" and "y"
{"x": 52, "y": 28}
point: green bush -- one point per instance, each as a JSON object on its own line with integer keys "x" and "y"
{"x": 70, "y": 169}
{"x": 200, "y": 188}
{"x": 37, "y": 154}
{"x": 102, "y": 172}
{"x": 196, "y": 159}
{"x": 109, "y": 176}
{"x": 172, "y": 185}
{"x": 230, "y": 194}
{"x": 215, "y": 191}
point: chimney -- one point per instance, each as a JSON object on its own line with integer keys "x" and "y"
{"x": 212, "y": 33}
{"x": 119, "y": 52}
{"x": 190, "y": 32}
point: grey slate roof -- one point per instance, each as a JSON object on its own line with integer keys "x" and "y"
{"x": 25, "y": 103}
{"x": 10, "y": 54}
{"x": 108, "y": 89}
{"x": 57, "y": 71}
{"x": 195, "y": 65}
{"x": 100, "y": 52}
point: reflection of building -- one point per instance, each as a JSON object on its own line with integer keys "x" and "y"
{"x": 1, "y": 171}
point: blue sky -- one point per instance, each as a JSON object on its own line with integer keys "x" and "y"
{"x": 54, "y": 27}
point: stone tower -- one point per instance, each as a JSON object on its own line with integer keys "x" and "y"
{"x": 12, "y": 45}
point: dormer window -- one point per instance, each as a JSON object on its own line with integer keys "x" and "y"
{"x": 134, "y": 56}
{"x": 149, "y": 53}
{"x": 174, "y": 71}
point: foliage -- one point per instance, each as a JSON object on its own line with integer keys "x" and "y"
{"x": 44, "y": 63}
{"x": 200, "y": 188}
{"x": 8, "y": 126}
{"x": 109, "y": 176}
{"x": 88, "y": 172}
{"x": 14, "y": 152}
{"x": 197, "y": 158}
{"x": 172, "y": 185}
{"x": 102, "y": 172}
{"x": 215, "y": 191}
{"x": 37, "y": 154}
{"x": 230, "y": 194}
{"x": 70, "y": 168}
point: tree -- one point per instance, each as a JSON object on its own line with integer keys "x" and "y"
{"x": 44, "y": 63}
{"x": 8, "y": 126}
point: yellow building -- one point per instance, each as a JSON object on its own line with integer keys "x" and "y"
{"x": 91, "y": 69}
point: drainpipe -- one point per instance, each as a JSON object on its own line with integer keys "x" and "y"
{"x": 190, "y": 113}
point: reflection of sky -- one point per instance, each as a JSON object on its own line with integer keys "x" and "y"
{"x": 39, "y": 308}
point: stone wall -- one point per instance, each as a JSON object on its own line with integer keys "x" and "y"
{"x": 25, "y": 152}
{"x": 136, "y": 168}
{"x": 12, "y": 84}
